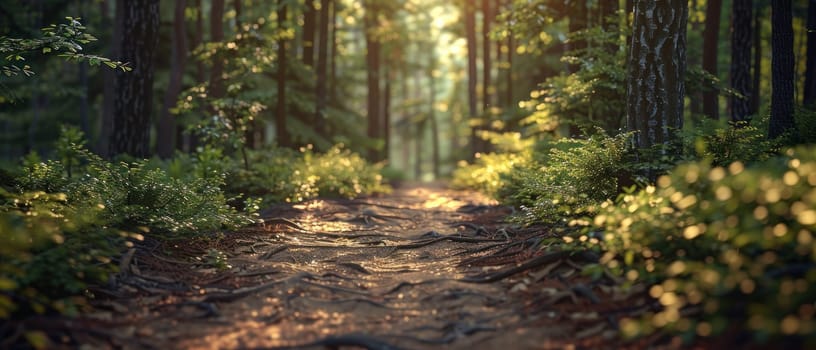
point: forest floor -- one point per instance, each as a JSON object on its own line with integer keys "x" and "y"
{"x": 423, "y": 267}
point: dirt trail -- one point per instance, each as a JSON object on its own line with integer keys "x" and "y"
{"x": 423, "y": 267}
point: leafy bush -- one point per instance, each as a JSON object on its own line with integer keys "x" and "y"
{"x": 60, "y": 229}
{"x": 50, "y": 250}
{"x": 575, "y": 175}
{"x": 284, "y": 175}
{"x": 723, "y": 144}
{"x": 135, "y": 195}
{"x": 806, "y": 124}
{"x": 722, "y": 247}
{"x": 485, "y": 174}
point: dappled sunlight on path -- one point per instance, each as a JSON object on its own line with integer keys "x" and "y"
{"x": 423, "y": 267}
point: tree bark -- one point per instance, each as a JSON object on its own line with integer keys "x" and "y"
{"x": 322, "y": 57}
{"x": 487, "y": 69}
{"x": 511, "y": 48}
{"x": 432, "y": 117}
{"x": 139, "y": 29}
{"x": 782, "y": 64}
{"x": 333, "y": 59}
{"x": 809, "y": 95}
{"x": 694, "y": 60}
{"x": 757, "y": 72}
{"x": 166, "y": 132}
{"x": 254, "y": 133}
{"x": 217, "y": 36}
{"x": 373, "y": 77}
{"x": 741, "y": 59}
{"x": 609, "y": 21}
{"x": 470, "y": 34}
{"x": 281, "y": 133}
{"x": 386, "y": 111}
{"x": 309, "y": 19}
{"x": 657, "y": 65}
{"x": 577, "y": 22}
{"x": 238, "y": 7}
{"x": 192, "y": 139}
{"x": 710, "y": 54}
{"x": 109, "y": 82}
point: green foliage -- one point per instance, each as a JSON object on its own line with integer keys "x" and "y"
{"x": 724, "y": 144}
{"x": 63, "y": 39}
{"x": 283, "y": 175}
{"x": 806, "y": 124}
{"x": 595, "y": 94}
{"x": 721, "y": 247}
{"x": 574, "y": 175}
{"x": 134, "y": 195}
{"x": 486, "y": 173}
{"x": 58, "y": 232}
{"x": 51, "y": 249}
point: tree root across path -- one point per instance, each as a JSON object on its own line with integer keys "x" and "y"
{"x": 420, "y": 268}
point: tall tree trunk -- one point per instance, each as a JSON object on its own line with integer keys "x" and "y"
{"x": 694, "y": 60}
{"x": 192, "y": 139}
{"x": 322, "y": 57}
{"x": 782, "y": 64}
{"x": 139, "y": 29}
{"x": 405, "y": 130}
{"x": 309, "y": 19}
{"x": 217, "y": 36}
{"x": 741, "y": 59}
{"x": 487, "y": 69}
{"x": 432, "y": 116}
{"x": 511, "y": 48}
{"x": 711, "y": 36}
{"x": 253, "y": 135}
{"x": 470, "y": 33}
{"x": 657, "y": 65}
{"x": 109, "y": 82}
{"x": 165, "y": 143}
{"x": 577, "y": 22}
{"x": 609, "y": 21}
{"x": 82, "y": 77}
{"x": 419, "y": 128}
{"x": 386, "y": 112}
{"x": 333, "y": 59}
{"x": 373, "y": 77}
{"x": 756, "y": 96}
{"x": 238, "y": 7}
{"x": 281, "y": 133}
{"x": 418, "y": 141}
{"x": 809, "y": 95}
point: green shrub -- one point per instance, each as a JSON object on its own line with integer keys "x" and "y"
{"x": 60, "y": 228}
{"x": 723, "y": 143}
{"x": 340, "y": 172}
{"x": 721, "y": 247}
{"x": 806, "y": 125}
{"x": 284, "y": 175}
{"x": 50, "y": 250}
{"x": 575, "y": 175}
{"x": 485, "y": 174}
{"x": 134, "y": 195}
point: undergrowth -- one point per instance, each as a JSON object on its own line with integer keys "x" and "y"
{"x": 723, "y": 247}
{"x": 65, "y": 221}
{"x": 284, "y": 175}
{"x": 724, "y": 239}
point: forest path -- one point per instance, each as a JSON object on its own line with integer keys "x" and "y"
{"x": 423, "y": 267}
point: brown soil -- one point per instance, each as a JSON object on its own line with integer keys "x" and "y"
{"x": 423, "y": 267}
